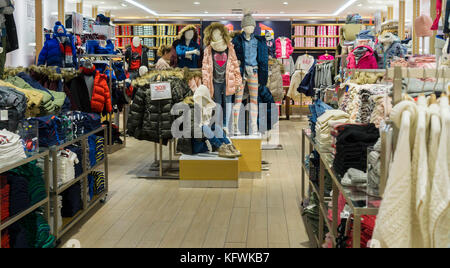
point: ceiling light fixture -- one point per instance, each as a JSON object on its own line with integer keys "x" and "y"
{"x": 123, "y": 4}
{"x": 134, "y": 3}
{"x": 196, "y": 3}
{"x": 285, "y": 3}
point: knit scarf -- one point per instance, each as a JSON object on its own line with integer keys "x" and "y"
{"x": 219, "y": 46}
{"x": 65, "y": 47}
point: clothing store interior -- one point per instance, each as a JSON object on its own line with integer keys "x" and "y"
{"x": 253, "y": 124}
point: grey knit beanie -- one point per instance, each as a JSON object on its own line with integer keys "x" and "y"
{"x": 248, "y": 20}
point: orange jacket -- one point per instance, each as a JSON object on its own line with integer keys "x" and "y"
{"x": 101, "y": 97}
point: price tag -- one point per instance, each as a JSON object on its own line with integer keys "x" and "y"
{"x": 3, "y": 115}
{"x": 161, "y": 91}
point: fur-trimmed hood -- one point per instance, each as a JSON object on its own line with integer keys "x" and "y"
{"x": 211, "y": 28}
{"x": 188, "y": 28}
{"x": 146, "y": 79}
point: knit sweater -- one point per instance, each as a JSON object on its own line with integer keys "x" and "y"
{"x": 440, "y": 191}
{"x": 393, "y": 227}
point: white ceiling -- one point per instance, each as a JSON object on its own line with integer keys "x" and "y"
{"x": 220, "y": 8}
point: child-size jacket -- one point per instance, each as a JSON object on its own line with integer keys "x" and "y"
{"x": 233, "y": 77}
{"x": 362, "y": 57}
{"x": 54, "y": 53}
{"x": 262, "y": 58}
{"x": 284, "y": 48}
{"x": 101, "y": 98}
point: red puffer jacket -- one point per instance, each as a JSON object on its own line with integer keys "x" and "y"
{"x": 101, "y": 97}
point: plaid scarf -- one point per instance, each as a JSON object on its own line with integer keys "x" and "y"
{"x": 66, "y": 49}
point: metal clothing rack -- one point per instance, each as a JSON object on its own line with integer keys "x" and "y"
{"x": 162, "y": 169}
{"x": 112, "y": 148}
{"x": 68, "y": 223}
{"x": 44, "y": 203}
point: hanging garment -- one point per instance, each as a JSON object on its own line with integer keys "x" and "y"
{"x": 304, "y": 63}
{"x": 393, "y": 227}
{"x": 420, "y": 180}
{"x": 440, "y": 190}
{"x": 284, "y": 48}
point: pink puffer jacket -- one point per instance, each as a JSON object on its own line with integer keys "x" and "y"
{"x": 233, "y": 73}
{"x": 368, "y": 61}
{"x": 284, "y": 49}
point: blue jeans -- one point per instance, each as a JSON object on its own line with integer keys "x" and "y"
{"x": 226, "y": 102}
{"x": 216, "y": 137}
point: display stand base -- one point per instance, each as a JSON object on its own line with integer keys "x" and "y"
{"x": 250, "y": 148}
{"x": 171, "y": 171}
{"x": 208, "y": 171}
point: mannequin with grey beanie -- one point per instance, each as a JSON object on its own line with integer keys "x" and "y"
{"x": 253, "y": 53}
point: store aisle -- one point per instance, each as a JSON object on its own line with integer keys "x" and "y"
{"x": 156, "y": 213}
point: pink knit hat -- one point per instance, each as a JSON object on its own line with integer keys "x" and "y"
{"x": 423, "y": 26}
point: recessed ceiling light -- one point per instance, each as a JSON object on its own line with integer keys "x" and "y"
{"x": 285, "y": 3}
{"x": 196, "y": 3}
{"x": 267, "y": 17}
{"x": 206, "y": 12}
{"x": 281, "y": 12}
{"x": 360, "y": 5}
{"x": 123, "y": 4}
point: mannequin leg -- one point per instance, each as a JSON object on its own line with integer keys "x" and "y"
{"x": 219, "y": 99}
{"x": 236, "y": 111}
{"x": 253, "y": 91}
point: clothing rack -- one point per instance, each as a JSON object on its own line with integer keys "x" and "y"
{"x": 68, "y": 223}
{"x": 112, "y": 148}
{"x": 44, "y": 203}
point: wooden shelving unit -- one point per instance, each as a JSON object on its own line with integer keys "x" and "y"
{"x": 152, "y": 58}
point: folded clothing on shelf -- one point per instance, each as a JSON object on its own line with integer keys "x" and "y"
{"x": 4, "y": 196}
{"x": 317, "y": 109}
{"x": 19, "y": 199}
{"x": 72, "y": 202}
{"x": 351, "y": 147}
{"x": 11, "y": 148}
{"x": 323, "y": 129}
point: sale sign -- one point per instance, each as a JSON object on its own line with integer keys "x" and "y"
{"x": 161, "y": 91}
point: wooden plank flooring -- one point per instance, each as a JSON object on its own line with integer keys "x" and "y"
{"x": 143, "y": 213}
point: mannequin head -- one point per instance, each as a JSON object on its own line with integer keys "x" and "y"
{"x": 248, "y": 24}
{"x": 248, "y": 30}
{"x": 216, "y": 32}
{"x": 188, "y": 35}
{"x": 136, "y": 41}
{"x": 143, "y": 70}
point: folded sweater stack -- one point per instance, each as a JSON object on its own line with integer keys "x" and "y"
{"x": 381, "y": 107}
{"x": 11, "y": 148}
{"x": 374, "y": 170}
{"x": 4, "y": 195}
{"x": 323, "y": 129}
{"x": 351, "y": 147}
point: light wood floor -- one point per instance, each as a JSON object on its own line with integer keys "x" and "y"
{"x": 156, "y": 213}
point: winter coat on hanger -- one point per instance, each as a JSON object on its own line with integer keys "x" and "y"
{"x": 308, "y": 83}
{"x": 136, "y": 57}
{"x": 275, "y": 83}
{"x": 80, "y": 96}
{"x": 55, "y": 53}
{"x": 233, "y": 78}
{"x": 151, "y": 120}
{"x": 393, "y": 227}
{"x": 284, "y": 48}
{"x": 262, "y": 58}
{"x": 362, "y": 57}
{"x": 101, "y": 98}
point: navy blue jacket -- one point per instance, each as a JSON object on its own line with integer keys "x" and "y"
{"x": 308, "y": 84}
{"x": 181, "y": 49}
{"x": 263, "y": 56}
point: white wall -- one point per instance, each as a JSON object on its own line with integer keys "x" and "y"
{"x": 25, "y": 21}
